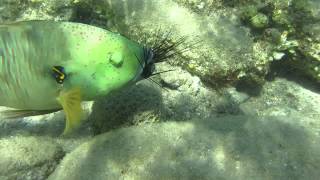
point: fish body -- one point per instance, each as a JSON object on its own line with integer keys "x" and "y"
{"x": 92, "y": 62}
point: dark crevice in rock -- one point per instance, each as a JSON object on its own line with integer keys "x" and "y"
{"x": 292, "y": 70}
{"x": 249, "y": 87}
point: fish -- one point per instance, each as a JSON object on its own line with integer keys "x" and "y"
{"x": 49, "y": 66}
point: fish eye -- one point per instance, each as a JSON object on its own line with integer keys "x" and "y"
{"x": 59, "y": 74}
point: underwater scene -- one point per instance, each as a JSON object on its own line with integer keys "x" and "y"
{"x": 159, "y": 89}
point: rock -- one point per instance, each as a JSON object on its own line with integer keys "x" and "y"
{"x": 259, "y": 21}
{"x": 201, "y": 7}
{"x": 10, "y": 10}
{"x": 297, "y": 22}
{"x": 21, "y": 10}
{"x": 276, "y": 137}
{"x": 229, "y": 147}
{"x": 28, "y": 157}
{"x": 147, "y": 102}
{"x": 44, "y": 125}
{"x": 287, "y": 98}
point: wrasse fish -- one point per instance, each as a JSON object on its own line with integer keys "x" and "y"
{"x": 47, "y": 66}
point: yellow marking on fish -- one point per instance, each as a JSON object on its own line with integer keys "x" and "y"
{"x": 61, "y": 76}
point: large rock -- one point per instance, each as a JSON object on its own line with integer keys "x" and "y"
{"x": 28, "y": 157}
{"x": 21, "y": 10}
{"x": 182, "y": 97}
{"x": 229, "y": 147}
{"x": 282, "y": 97}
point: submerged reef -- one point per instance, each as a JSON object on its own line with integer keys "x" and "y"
{"x": 228, "y": 108}
{"x": 292, "y": 32}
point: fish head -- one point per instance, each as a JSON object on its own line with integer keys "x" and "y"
{"x": 106, "y": 65}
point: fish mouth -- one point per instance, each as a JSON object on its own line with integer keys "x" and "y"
{"x": 164, "y": 47}
{"x": 147, "y": 64}
{"x": 148, "y": 55}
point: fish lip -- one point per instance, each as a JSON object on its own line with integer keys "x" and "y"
{"x": 148, "y": 65}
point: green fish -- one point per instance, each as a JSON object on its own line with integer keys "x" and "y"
{"x": 47, "y": 66}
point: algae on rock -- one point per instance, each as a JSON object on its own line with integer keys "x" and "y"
{"x": 28, "y": 157}
{"x": 297, "y": 21}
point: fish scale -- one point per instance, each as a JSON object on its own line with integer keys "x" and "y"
{"x": 22, "y": 69}
{"x": 9, "y": 68}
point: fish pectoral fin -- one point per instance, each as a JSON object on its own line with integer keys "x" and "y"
{"x": 17, "y": 113}
{"x": 71, "y": 103}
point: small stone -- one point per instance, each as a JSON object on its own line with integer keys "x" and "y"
{"x": 259, "y": 21}
{"x": 278, "y": 55}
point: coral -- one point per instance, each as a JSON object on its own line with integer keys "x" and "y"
{"x": 290, "y": 32}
